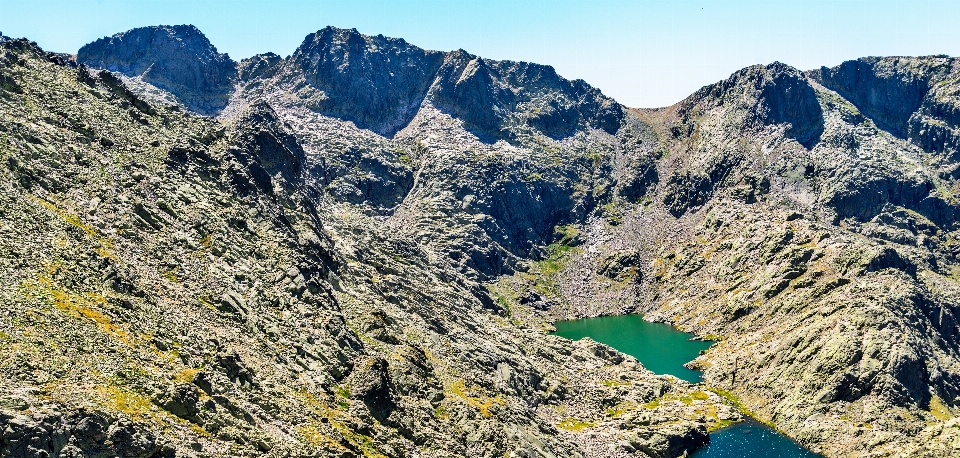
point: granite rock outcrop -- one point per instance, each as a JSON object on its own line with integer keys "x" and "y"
{"x": 178, "y": 59}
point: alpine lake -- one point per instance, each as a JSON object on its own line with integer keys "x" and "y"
{"x": 664, "y": 349}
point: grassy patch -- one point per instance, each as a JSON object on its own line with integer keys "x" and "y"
{"x": 363, "y": 442}
{"x": 476, "y": 397}
{"x": 206, "y": 301}
{"x": 187, "y": 375}
{"x": 169, "y": 275}
{"x": 684, "y": 398}
{"x": 123, "y": 400}
{"x": 613, "y": 213}
{"x": 82, "y": 305}
{"x": 556, "y": 259}
{"x": 70, "y": 218}
{"x": 558, "y": 254}
{"x": 343, "y": 394}
{"x": 594, "y": 156}
{"x": 734, "y": 401}
{"x": 621, "y": 408}
{"x": 572, "y": 424}
{"x": 310, "y": 434}
{"x": 105, "y": 244}
{"x": 720, "y": 424}
{"x": 938, "y": 409}
{"x": 567, "y": 233}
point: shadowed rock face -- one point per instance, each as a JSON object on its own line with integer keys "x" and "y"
{"x": 933, "y": 126}
{"x": 763, "y": 95}
{"x": 177, "y": 58}
{"x": 380, "y": 83}
{"x": 258, "y": 66}
{"x": 912, "y": 97}
{"x": 376, "y": 82}
{"x": 888, "y": 90}
{"x": 266, "y": 149}
{"x": 750, "y": 102}
{"x": 787, "y": 97}
{"x": 490, "y": 96}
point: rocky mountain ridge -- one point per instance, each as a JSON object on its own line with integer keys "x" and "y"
{"x": 360, "y": 254}
{"x": 178, "y": 59}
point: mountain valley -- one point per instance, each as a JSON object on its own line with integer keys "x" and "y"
{"x": 360, "y": 250}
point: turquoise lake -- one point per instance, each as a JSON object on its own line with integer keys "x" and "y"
{"x": 660, "y": 347}
{"x": 664, "y": 350}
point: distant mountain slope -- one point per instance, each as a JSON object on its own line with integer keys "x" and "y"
{"x": 820, "y": 247}
{"x": 911, "y": 97}
{"x": 178, "y": 59}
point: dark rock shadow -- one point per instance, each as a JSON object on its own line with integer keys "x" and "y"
{"x": 378, "y": 83}
{"x": 178, "y": 59}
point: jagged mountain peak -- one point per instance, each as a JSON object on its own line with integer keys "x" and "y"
{"x": 185, "y": 36}
{"x": 759, "y": 95}
{"x": 179, "y": 59}
{"x": 334, "y": 34}
{"x": 503, "y": 99}
{"x": 374, "y": 81}
{"x": 266, "y": 149}
{"x": 378, "y": 83}
{"x": 258, "y": 66}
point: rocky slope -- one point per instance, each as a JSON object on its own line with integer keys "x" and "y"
{"x": 361, "y": 251}
{"x": 175, "y": 285}
{"x": 817, "y": 246}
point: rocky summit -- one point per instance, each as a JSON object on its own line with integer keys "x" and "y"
{"x": 360, "y": 249}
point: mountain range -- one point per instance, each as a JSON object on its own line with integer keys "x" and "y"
{"x": 361, "y": 248}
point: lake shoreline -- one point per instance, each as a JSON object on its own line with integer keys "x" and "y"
{"x": 664, "y": 349}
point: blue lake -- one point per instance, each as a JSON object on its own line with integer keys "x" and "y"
{"x": 751, "y": 439}
{"x": 664, "y": 350}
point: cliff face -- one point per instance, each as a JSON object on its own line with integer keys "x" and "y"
{"x": 361, "y": 252}
{"x": 178, "y": 59}
{"x": 376, "y": 82}
{"x": 911, "y": 97}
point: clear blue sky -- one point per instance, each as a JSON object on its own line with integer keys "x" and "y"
{"x": 642, "y": 53}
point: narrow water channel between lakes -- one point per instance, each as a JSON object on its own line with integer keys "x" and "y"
{"x": 664, "y": 350}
